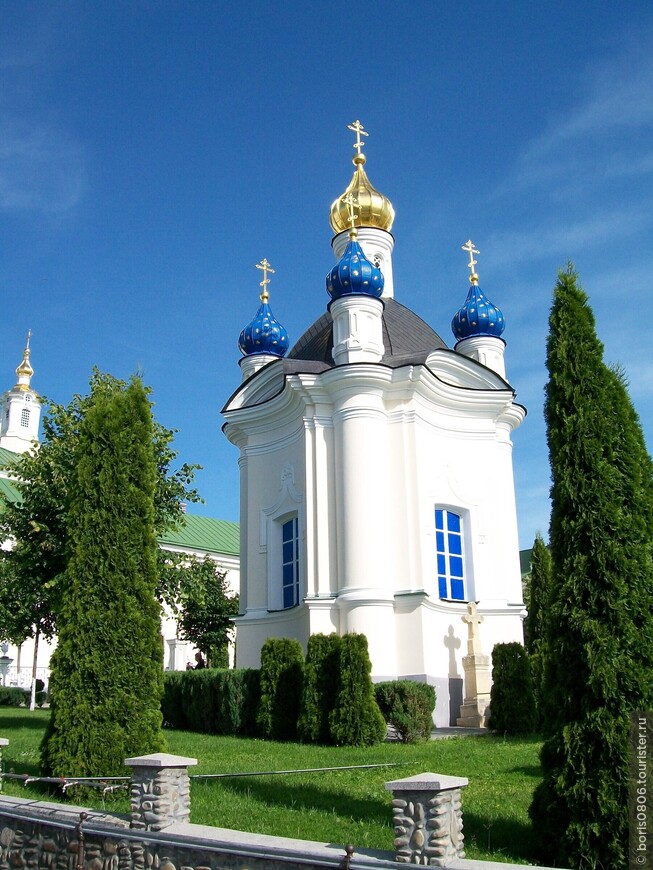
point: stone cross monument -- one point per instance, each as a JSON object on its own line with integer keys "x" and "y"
{"x": 477, "y": 674}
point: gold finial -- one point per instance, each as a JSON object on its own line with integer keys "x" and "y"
{"x": 25, "y": 370}
{"x": 350, "y": 201}
{"x": 266, "y": 267}
{"x": 471, "y": 250}
{"x": 359, "y": 130}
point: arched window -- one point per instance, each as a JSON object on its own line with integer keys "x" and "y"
{"x": 24, "y": 418}
{"x": 449, "y": 551}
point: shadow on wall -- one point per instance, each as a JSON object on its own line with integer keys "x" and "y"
{"x": 452, "y": 644}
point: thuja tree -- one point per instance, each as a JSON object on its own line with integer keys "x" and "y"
{"x": 512, "y": 706}
{"x": 535, "y": 628}
{"x": 599, "y": 656}
{"x": 282, "y": 669}
{"x": 320, "y": 689}
{"x": 538, "y": 594}
{"x": 356, "y": 719}
{"x": 107, "y": 678}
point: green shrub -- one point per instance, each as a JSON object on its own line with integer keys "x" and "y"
{"x": 172, "y": 706}
{"x": 408, "y": 706}
{"x": 241, "y": 692}
{"x": 356, "y": 719}
{"x": 10, "y": 696}
{"x": 282, "y": 668}
{"x": 211, "y": 701}
{"x": 320, "y": 689}
{"x": 512, "y": 704}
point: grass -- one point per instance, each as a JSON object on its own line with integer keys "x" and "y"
{"x": 332, "y": 807}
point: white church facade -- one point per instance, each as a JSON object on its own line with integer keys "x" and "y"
{"x": 376, "y": 476}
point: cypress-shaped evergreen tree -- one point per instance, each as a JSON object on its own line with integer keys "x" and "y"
{"x": 107, "y": 671}
{"x": 598, "y": 651}
{"x": 512, "y": 706}
{"x": 356, "y": 719}
{"x": 320, "y": 689}
{"x": 539, "y": 591}
{"x": 535, "y": 628}
{"x": 282, "y": 673}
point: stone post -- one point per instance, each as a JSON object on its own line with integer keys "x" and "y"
{"x": 3, "y": 742}
{"x": 160, "y": 790}
{"x": 428, "y": 819}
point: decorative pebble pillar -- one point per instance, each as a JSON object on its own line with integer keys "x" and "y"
{"x": 428, "y": 819}
{"x": 3, "y": 742}
{"x": 160, "y": 790}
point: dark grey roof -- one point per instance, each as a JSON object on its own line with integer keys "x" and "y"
{"x": 405, "y": 335}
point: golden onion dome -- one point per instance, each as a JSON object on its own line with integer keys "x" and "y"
{"x": 372, "y": 207}
{"x": 25, "y": 371}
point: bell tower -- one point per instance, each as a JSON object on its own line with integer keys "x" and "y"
{"x": 21, "y": 409}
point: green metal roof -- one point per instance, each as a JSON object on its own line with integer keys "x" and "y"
{"x": 7, "y": 457}
{"x": 8, "y": 489}
{"x": 205, "y": 533}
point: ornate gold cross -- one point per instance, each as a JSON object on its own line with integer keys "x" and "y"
{"x": 471, "y": 250}
{"x": 350, "y": 201}
{"x": 359, "y": 130}
{"x": 266, "y": 267}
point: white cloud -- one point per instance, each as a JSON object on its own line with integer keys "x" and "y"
{"x": 41, "y": 168}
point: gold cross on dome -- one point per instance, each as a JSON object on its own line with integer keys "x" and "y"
{"x": 350, "y": 201}
{"x": 359, "y": 130}
{"x": 266, "y": 267}
{"x": 471, "y": 250}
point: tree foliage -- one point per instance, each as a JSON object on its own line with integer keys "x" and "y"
{"x": 512, "y": 705}
{"x": 205, "y": 606}
{"x": 598, "y": 654}
{"x": 538, "y": 595}
{"x": 320, "y": 688}
{"x": 356, "y": 719}
{"x": 282, "y": 668}
{"x": 31, "y": 572}
{"x": 408, "y": 706}
{"x": 107, "y": 677}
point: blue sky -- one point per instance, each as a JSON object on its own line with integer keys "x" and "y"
{"x": 152, "y": 152}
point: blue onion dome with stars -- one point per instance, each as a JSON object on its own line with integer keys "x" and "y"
{"x": 477, "y": 316}
{"x": 353, "y": 274}
{"x": 264, "y": 334}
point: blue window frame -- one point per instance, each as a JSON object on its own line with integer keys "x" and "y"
{"x": 449, "y": 550}
{"x": 290, "y": 563}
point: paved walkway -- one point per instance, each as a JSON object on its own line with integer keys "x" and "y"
{"x": 454, "y": 731}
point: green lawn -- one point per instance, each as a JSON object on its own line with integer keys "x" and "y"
{"x": 335, "y": 807}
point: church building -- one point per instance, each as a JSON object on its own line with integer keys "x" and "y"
{"x": 376, "y": 477}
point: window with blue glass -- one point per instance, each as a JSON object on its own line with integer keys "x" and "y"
{"x": 290, "y": 562}
{"x": 449, "y": 550}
